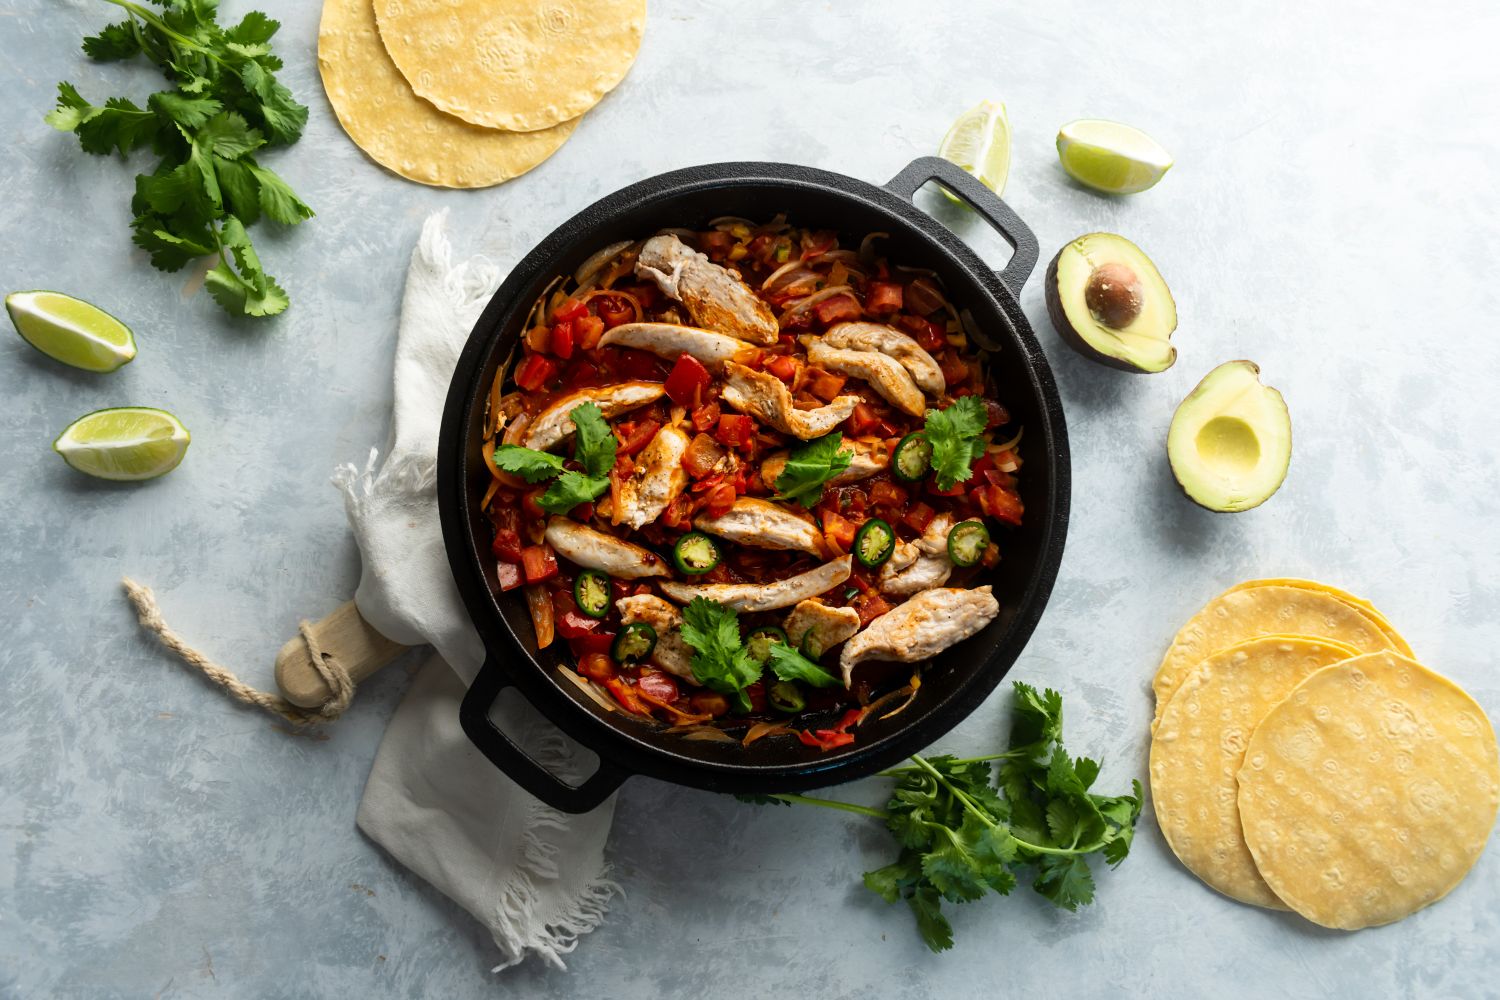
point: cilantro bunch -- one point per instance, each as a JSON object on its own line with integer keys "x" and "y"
{"x": 964, "y": 833}
{"x": 721, "y": 660}
{"x": 957, "y": 438}
{"x": 224, "y": 106}
{"x": 593, "y": 448}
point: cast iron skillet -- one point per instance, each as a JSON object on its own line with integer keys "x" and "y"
{"x": 957, "y": 680}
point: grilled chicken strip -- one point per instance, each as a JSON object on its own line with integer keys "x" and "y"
{"x": 751, "y": 597}
{"x": 767, "y": 398}
{"x": 668, "y": 340}
{"x": 869, "y": 456}
{"x": 928, "y": 565}
{"x": 828, "y": 626}
{"x": 552, "y": 426}
{"x": 885, "y": 375}
{"x": 671, "y": 653}
{"x": 592, "y": 549}
{"x": 892, "y": 343}
{"x": 765, "y": 525}
{"x": 921, "y": 628}
{"x": 714, "y": 298}
{"x": 658, "y": 478}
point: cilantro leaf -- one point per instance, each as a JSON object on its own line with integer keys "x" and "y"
{"x": 790, "y": 665}
{"x": 720, "y": 659}
{"x": 228, "y": 135}
{"x": 811, "y": 465}
{"x": 927, "y": 907}
{"x": 528, "y": 463}
{"x": 278, "y": 200}
{"x": 761, "y": 800}
{"x": 114, "y": 42}
{"x": 594, "y": 445}
{"x": 571, "y": 489}
{"x": 238, "y": 189}
{"x": 1065, "y": 879}
{"x": 245, "y": 287}
{"x": 188, "y": 110}
{"x": 956, "y": 438}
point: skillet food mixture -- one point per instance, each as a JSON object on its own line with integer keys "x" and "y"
{"x": 749, "y": 476}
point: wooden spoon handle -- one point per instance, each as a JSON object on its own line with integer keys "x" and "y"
{"x": 344, "y": 636}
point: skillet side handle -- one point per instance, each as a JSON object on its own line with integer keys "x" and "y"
{"x": 515, "y": 763}
{"x": 984, "y": 202}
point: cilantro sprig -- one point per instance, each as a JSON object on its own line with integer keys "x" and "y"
{"x": 720, "y": 659}
{"x": 593, "y": 448}
{"x": 790, "y": 665}
{"x": 226, "y": 104}
{"x": 957, "y": 438}
{"x": 810, "y": 466}
{"x": 964, "y": 833}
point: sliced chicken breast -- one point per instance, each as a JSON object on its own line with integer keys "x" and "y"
{"x": 671, "y": 653}
{"x": 892, "y": 343}
{"x": 553, "y": 426}
{"x": 827, "y": 627}
{"x": 658, "y": 478}
{"x": 931, "y": 566}
{"x": 921, "y": 628}
{"x": 868, "y": 456}
{"x": 767, "y": 398}
{"x": 668, "y": 340}
{"x": 578, "y": 543}
{"x": 714, "y": 298}
{"x": 752, "y": 597}
{"x": 765, "y": 525}
{"x": 883, "y": 374}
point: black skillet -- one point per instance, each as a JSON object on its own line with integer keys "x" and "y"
{"x": 957, "y": 680}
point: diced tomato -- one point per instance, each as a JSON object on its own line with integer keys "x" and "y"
{"x": 562, "y": 338}
{"x": 586, "y": 332}
{"x": 995, "y": 415}
{"x": 1001, "y": 504}
{"x": 884, "y": 494}
{"x": 531, "y": 507}
{"x": 597, "y": 641}
{"x": 626, "y": 696}
{"x": 677, "y": 512}
{"x": 539, "y": 339}
{"x": 918, "y": 516}
{"x": 583, "y": 512}
{"x": 701, "y": 456}
{"x": 507, "y": 543}
{"x": 705, "y": 417}
{"x": 634, "y": 365}
{"x": 716, "y": 244}
{"x": 838, "y": 309}
{"x": 568, "y": 310}
{"x": 826, "y": 385}
{"x": 955, "y": 369}
{"x": 734, "y": 430}
{"x": 639, "y": 435}
{"x": 870, "y": 606}
{"x": 783, "y": 366}
{"x": 720, "y": 499}
{"x": 754, "y": 358}
{"x": 508, "y": 574}
{"x": 613, "y": 309}
{"x": 838, "y": 530}
{"x": 820, "y": 242}
{"x": 536, "y": 371}
{"x": 882, "y": 297}
{"x": 597, "y": 667}
{"x": 957, "y": 489}
{"x": 574, "y": 624}
{"x": 862, "y": 420}
{"x": 657, "y": 685}
{"x": 929, "y": 336}
{"x": 688, "y": 380}
{"x": 538, "y": 562}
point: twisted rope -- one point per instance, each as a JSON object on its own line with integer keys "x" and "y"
{"x": 333, "y": 673}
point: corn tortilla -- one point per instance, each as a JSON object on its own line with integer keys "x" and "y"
{"x": 1199, "y": 746}
{"x": 1237, "y": 615}
{"x": 399, "y": 130}
{"x": 512, "y": 64}
{"x": 1369, "y": 792}
{"x": 1398, "y": 643}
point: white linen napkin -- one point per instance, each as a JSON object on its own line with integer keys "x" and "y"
{"x": 534, "y": 876}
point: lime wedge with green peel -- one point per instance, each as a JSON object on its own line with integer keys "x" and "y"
{"x": 125, "y": 444}
{"x": 979, "y": 142}
{"x": 1111, "y": 157}
{"x": 71, "y": 330}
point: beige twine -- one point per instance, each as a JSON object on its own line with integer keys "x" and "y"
{"x": 333, "y": 673}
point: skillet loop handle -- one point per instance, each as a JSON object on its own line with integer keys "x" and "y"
{"x": 983, "y": 201}
{"x": 516, "y": 763}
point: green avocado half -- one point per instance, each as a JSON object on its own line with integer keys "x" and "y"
{"x": 1231, "y": 439}
{"x": 1108, "y": 301}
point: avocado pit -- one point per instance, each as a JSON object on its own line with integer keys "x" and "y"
{"x": 1114, "y": 295}
{"x": 1109, "y": 303}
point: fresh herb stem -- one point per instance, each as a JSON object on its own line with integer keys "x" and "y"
{"x": 808, "y": 800}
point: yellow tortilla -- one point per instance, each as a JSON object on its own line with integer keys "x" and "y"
{"x": 1200, "y": 744}
{"x": 1369, "y": 792}
{"x": 1237, "y": 615}
{"x": 1398, "y": 643}
{"x": 401, "y": 131}
{"x": 520, "y": 65}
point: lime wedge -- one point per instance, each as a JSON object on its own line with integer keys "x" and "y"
{"x": 70, "y": 330}
{"x": 979, "y": 142}
{"x": 1111, "y": 157}
{"x": 126, "y": 443}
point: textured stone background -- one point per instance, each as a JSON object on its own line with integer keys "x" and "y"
{"x": 1333, "y": 216}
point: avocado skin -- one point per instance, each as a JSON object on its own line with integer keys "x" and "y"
{"x": 1072, "y": 337}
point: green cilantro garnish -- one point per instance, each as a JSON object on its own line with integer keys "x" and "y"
{"x": 528, "y": 463}
{"x": 963, "y": 834}
{"x": 207, "y": 187}
{"x": 956, "y": 438}
{"x": 593, "y": 448}
{"x": 810, "y": 466}
{"x": 720, "y": 659}
{"x": 790, "y": 665}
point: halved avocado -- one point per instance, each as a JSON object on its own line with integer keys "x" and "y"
{"x": 1109, "y": 303}
{"x": 1231, "y": 439}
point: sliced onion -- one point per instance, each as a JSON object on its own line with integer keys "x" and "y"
{"x": 539, "y": 310}
{"x": 1008, "y": 445}
{"x": 517, "y": 429}
{"x": 867, "y": 245}
{"x": 813, "y": 299}
{"x": 730, "y": 220}
{"x": 596, "y": 262}
{"x": 761, "y": 729}
{"x": 635, "y": 303}
{"x": 699, "y": 733}
{"x": 588, "y": 687}
{"x": 916, "y": 683}
{"x": 924, "y": 296}
{"x": 776, "y": 275}
{"x": 540, "y": 606}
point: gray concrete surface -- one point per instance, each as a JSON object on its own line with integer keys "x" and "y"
{"x": 1333, "y": 216}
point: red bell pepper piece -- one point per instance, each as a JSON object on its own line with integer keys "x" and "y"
{"x": 626, "y": 696}
{"x": 639, "y": 435}
{"x": 720, "y": 499}
{"x": 592, "y": 642}
{"x": 538, "y": 562}
{"x": 783, "y": 366}
{"x": 826, "y": 386}
{"x": 614, "y": 310}
{"x": 918, "y": 517}
{"x": 882, "y": 297}
{"x": 586, "y": 332}
{"x": 562, "y": 338}
{"x": 862, "y": 420}
{"x": 705, "y": 417}
{"x": 838, "y": 309}
{"x": 536, "y": 371}
{"x": 735, "y": 430}
{"x": 929, "y": 336}
{"x": 1001, "y": 504}
{"x": 688, "y": 380}
{"x": 657, "y": 685}
{"x": 568, "y": 310}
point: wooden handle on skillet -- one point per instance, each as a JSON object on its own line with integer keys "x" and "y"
{"x": 344, "y": 636}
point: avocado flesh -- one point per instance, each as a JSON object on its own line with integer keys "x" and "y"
{"x": 1142, "y": 345}
{"x": 1231, "y": 439}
